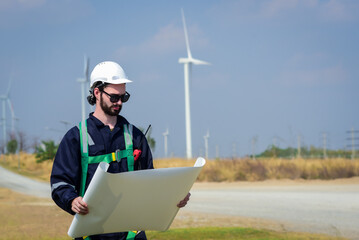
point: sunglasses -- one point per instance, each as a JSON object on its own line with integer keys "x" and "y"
{"x": 115, "y": 97}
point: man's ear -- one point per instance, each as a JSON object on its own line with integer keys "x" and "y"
{"x": 97, "y": 93}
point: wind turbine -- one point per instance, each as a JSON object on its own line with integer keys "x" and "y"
{"x": 5, "y": 98}
{"x": 84, "y": 83}
{"x": 165, "y": 135}
{"x": 187, "y": 63}
{"x": 206, "y": 144}
{"x": 13, "y": 118}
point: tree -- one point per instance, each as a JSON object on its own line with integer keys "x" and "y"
{"x": 23, "y": 146}
{"x": 2, "y": 147}
{"x": 12, "y": 146}
{"x": 46, "y": 151}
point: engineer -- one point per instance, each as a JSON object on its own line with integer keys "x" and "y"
{"x": 104, "y": 136}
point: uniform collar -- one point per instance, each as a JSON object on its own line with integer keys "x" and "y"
{"x": 120, "y": 121}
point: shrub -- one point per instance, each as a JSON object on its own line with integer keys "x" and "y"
{"x": 46, "y": 151}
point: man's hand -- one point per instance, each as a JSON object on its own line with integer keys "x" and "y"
{"x": 183, "y": 203}
{"x": 79, "y": 206}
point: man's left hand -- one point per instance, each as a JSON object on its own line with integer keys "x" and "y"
{"x": 183, "y": 203}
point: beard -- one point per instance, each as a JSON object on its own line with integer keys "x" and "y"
{"x": 110, "y": 110}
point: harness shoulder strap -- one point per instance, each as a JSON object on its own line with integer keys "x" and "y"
{"x": 128, "y": 128}
{"x": 84, "y": 155}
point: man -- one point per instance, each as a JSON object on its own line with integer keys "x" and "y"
{"x": 102, "y": 137}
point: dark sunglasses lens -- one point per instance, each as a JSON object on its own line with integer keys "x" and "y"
{"x": 124, "y": 98}
{"x": 114, "y": 98}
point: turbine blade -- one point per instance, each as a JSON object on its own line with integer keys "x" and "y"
{"x": 11, "y": 107}
{"x": 9, "y": 86}
{"x": 199, "y": 62}
{"x": 186, "y": 35}
{"x": 12, "y": 116}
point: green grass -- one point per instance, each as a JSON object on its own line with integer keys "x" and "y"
{"x": 231, "y": 233}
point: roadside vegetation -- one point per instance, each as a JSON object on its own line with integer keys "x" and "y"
{"x": 263, "y": 169}
{"x": 224, "y": 170}
{"x": 230, "y": 170}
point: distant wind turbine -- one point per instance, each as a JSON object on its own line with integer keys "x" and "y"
{"x": 5, "y": 98}
{"x": 187, "y": 63}
{"x": 84, "y": 84}
{"x": 165, "y": 135}
{"x": 13, "y": 117}
{"x": 206, "y": 144}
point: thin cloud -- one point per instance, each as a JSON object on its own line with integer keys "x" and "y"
{"x": 312, "y": 70}
{"x": 274, "y": 7}
{"x": 335, "y": 10}
{"x": 168, "y": 40}
{"x": 20, "y": 13}
{"x": 315, "y": 77}
{"x": 20, "y": 4}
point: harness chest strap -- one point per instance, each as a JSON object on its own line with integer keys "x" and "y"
{"x": 114, "y": 156}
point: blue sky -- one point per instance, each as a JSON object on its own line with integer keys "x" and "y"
{"x": 280, "y": 68}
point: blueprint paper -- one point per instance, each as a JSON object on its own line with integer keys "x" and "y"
{"x": 134, "y": 201}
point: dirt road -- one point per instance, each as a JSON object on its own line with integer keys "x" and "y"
{"x": 330, "y": 207}
{"x": 23, "y": 185}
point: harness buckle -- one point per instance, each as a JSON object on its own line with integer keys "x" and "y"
{"x": 118, "y": 157}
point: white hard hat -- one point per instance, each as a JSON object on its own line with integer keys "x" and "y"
{"x": 108, "y": 72}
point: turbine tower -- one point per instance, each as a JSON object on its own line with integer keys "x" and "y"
{"x": 165, "y": 135}
{"x": 187, "y": 63}
{"x": 206, "y": 144}
{"x": 13, "y": 117}
{"x": 84, "y": 83}
{"x": 5, "y": 98}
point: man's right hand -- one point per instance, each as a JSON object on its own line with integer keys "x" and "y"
{"x": 79, "y": 206}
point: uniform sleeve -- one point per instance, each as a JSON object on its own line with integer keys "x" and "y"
{"x": 66, "y": 171}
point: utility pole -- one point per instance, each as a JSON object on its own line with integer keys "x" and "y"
{"x": 274, "y": 141}
{"x": 353, "y": 140}
{"x": 353, "y": 146}
{"x": 254, "y": 141}
{"x": 234, "y": 150}
{"x": 3, "y": 121}
{"x": 325, "y": 146}
{"x": 298, "y": 148}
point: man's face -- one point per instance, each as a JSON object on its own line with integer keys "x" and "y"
{"x": 109, "y": 108}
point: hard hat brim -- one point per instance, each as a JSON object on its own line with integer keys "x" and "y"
{"x": 117, "y": 81}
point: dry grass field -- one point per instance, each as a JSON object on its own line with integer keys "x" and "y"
{"x": 263, "y": 169}
{"x": 226, "y": 170}
{"x": 28, "y": 166}
{"x": 24, "y": 217}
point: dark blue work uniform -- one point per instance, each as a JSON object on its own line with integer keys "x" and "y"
{"x": 66, "y": 170}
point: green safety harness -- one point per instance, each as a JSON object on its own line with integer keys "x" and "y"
{"x": 108, "y": 158}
